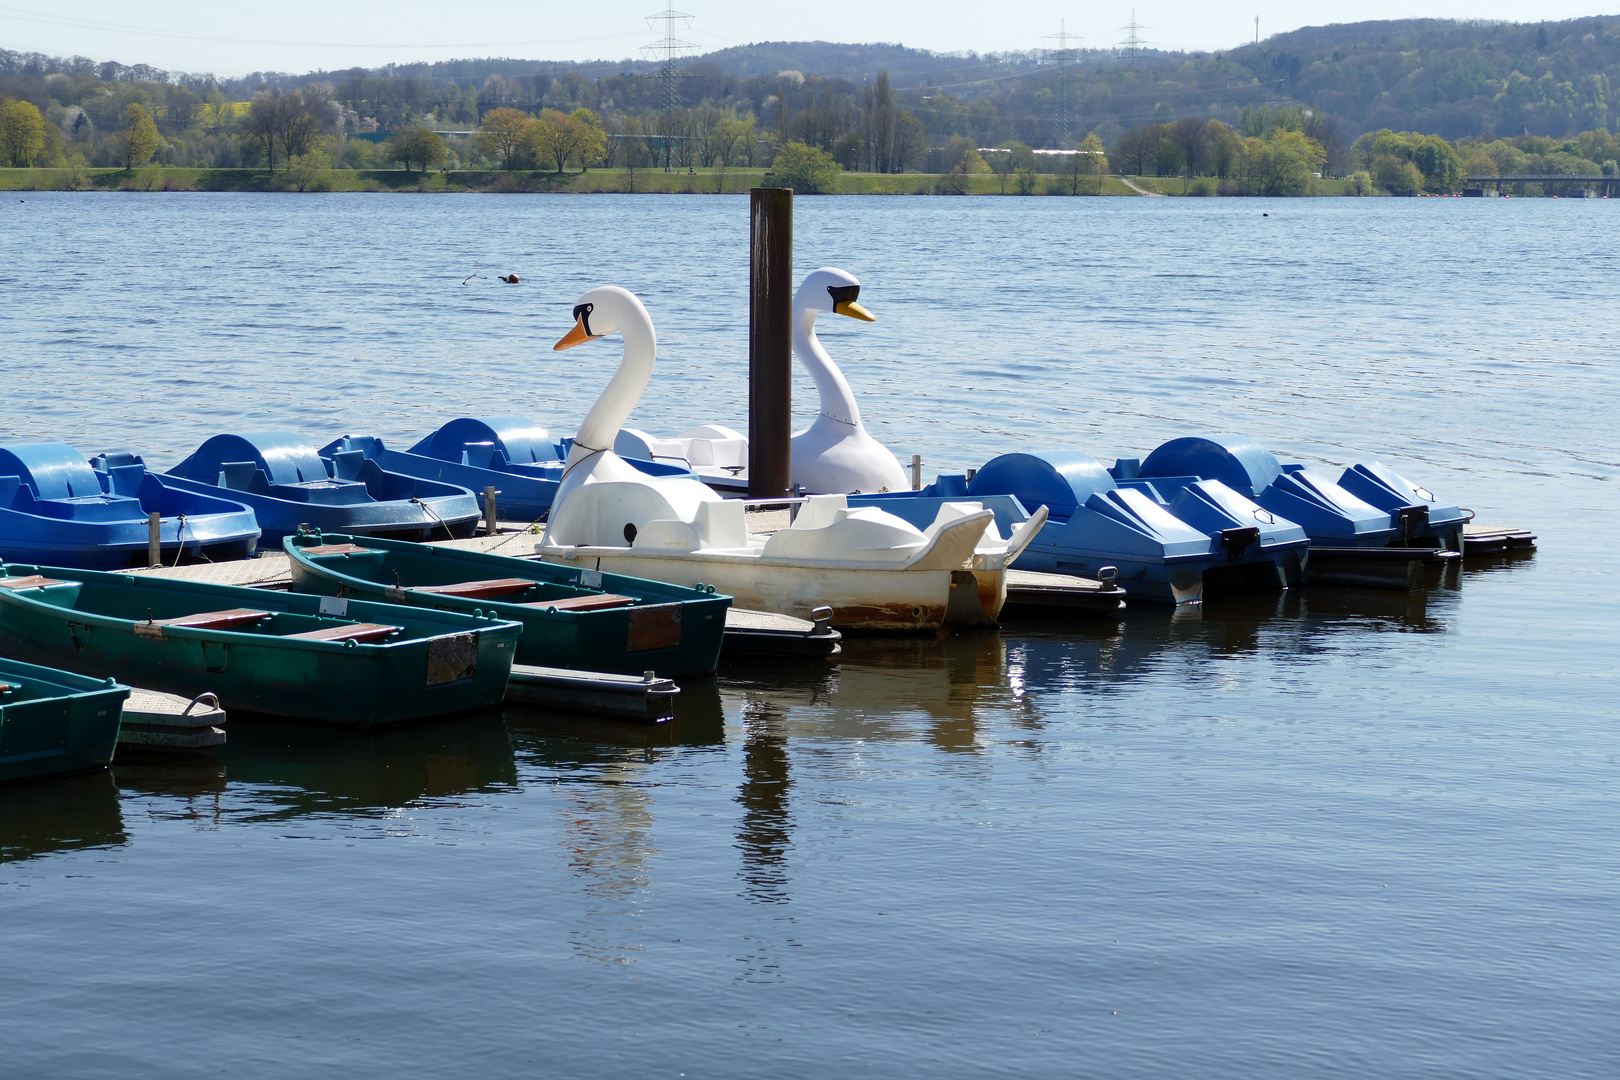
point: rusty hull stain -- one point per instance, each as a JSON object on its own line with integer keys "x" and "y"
{"x": 888, "y": 616}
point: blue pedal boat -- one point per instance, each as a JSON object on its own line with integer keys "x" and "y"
{"x": 511, "y": 454}
{"x": 1092, "y": 522}
{"x": 59, "y": 509}
{"x": 288, "y": 484}
{"x": 1369, "y": 506}
{"x": 54, "y": 722}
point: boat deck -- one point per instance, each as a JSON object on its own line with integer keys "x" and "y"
{"x": 272, "y": 569}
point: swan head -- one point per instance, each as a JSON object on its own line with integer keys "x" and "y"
{"x": 833, "y": 291}
{"x": 603, "y": 311}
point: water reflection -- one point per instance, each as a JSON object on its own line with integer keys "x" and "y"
{"x": 305, "y": 770}
{"x": 604, "y": 805}
{"x": 945, "y": 688}
{"x": 191, "y": 785}
{"x": 41, "y": 817}
{"x": 764, "y": 833}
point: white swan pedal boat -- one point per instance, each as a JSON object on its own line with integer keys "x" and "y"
{"x": 835, "y": 453}
{"x": 875, "y": 570}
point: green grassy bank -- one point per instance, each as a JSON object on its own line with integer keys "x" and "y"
{"x": 703, "y": 181}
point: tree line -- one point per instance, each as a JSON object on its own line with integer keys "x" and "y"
{"x": 1282, "y": 151}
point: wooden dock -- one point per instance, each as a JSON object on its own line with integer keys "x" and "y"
{"x": 159, "y": 721}
{"x": 1031, "y": 593}
{"x": 1480, "y": 540}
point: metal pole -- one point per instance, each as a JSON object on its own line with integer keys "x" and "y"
{"x": 770, "y": 342}
{"x": 154, "y": 539}
{"x": 916, "y": 472}
{"x": 489, "y": 510}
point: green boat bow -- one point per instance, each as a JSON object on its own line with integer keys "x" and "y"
{"x": 572, "y": 617}
{"x": 54, "y": 722}
{"x": 279, "y": 654}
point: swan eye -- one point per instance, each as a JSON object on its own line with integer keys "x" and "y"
{"x": 582, "y": 314}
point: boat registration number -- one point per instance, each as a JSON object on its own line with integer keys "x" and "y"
{"x": 451, "y": 658}
{"x": 656, "y": 627}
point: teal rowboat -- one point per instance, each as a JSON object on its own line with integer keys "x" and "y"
{"x": 273, "y": 653}
{"x": 572, "y": 618}
{"x": 54, "y": 722}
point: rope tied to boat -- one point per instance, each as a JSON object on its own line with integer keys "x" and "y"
{"x": 180, "y": 540}
{"x": 571, "y": 466}
{"x": 448, "y": 532}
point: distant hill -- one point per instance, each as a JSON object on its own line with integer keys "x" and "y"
{"x": 1446, "y": 77}
{"x": 1450, "y": 78}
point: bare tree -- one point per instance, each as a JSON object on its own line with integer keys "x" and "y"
{"x": 1191, "y": 139}
{"x": 279, "y": 120}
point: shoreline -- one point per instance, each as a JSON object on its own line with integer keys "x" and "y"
{"x": 594, "y": 182}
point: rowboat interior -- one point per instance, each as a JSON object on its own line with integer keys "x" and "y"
{"x": 445, "y": 577}
{"x": 178, "y": 608}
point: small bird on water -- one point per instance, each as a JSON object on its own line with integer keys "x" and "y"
{"x": 510, "y": 279}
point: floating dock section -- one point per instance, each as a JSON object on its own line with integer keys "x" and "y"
{"x": 158, "y": 721}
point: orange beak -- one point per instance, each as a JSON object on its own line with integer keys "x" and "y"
{"x": 576, "y": 336}
{"x": 854, "y": 311}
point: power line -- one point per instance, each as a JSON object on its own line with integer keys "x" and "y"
{"x": 1130, "y": 50}
{"x": 669, "y": 50}
{"x": 1061, "y": 57}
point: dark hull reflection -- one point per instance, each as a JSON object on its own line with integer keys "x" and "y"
{"x": 699, "y": 720}
{"x": 320, "y": 770}
{"x": 68, "y": 813}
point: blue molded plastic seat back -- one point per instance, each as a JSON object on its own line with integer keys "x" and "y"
{"x": 51, "y": 470}
{"x": 522, "y": 440}
{"x": 283, "y": 456}
{"x": 1060, "y": 480}
{"x": 1241, "y": 464}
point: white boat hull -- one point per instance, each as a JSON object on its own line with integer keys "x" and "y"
{"x": 861, "y": 599}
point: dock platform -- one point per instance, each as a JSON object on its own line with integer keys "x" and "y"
{"x": 1031, "y": 593}
{"x": 1480, "y": 540}
{"x": 642, "y": 699}
{"x": 158, "y": 721}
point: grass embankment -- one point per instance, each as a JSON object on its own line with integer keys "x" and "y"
{"x": 703, "y": 182}
{"x": 1207, "y": 185}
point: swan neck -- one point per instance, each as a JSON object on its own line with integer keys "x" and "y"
{"x": 837, "y": 400}
{"x": 601, "y": 426}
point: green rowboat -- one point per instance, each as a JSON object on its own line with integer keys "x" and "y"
{"x": 572, "y": 618}
{"x": 54, "y": 722}
{"x": 273, "y": 653}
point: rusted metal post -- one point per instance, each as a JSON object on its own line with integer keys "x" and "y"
{"x": 489, "y": 510}
{"x": 154, "y": 539}
{"x": 770, "y": 341}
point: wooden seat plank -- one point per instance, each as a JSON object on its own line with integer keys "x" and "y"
{"x": 477, "y": 590}
{"x": 338, "y": 549}
{"x": 30, "y": 581}
{"x": 348, "y": 632}
{"x": 594, "y": 602}
{"x": 215, "y": 620}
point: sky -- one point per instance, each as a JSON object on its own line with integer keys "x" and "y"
{"x": 303, "y": 35}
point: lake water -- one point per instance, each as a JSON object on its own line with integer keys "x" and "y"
{"x": 1321, "y": 834}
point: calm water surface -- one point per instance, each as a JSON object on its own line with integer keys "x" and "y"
{"x": 1325, "y": 834}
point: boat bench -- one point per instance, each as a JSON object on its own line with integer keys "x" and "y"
{"x": 214, "y": 620}
{"x": 32, "y": 581}
{"x": 478, "y": 590}
{"x": 337, "y": 549}
{"x": 594, "y": 602}
{"x": 361, "y": 632}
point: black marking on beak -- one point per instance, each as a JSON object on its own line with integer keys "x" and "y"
{"x": 582, "y": 312}
{"x": 843, "y": 294}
